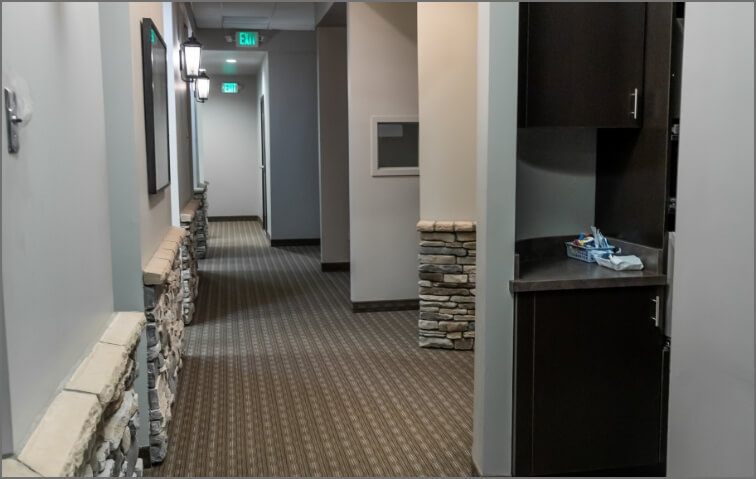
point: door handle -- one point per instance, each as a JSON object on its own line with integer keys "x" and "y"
{"x": 12, "y": 120}
{"x": 634, "y": 112}
{"x": 655, "y": 317}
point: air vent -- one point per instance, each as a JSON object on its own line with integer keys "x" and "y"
{"x": 245, "y": 22}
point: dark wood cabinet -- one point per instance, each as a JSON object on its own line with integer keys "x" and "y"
{"x": 590, "y": 381}
{"x": 581, "y": 64}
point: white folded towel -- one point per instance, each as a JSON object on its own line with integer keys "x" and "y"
{"x": 621, "y": 263}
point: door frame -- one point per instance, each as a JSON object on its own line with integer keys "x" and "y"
{"x": 263, "y": 164}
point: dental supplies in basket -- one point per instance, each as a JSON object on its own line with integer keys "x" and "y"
{"x": 589, "y": 247}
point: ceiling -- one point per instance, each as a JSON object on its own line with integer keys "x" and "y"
{"x": 256, "y": 15}
{"x": 247, "y": 63}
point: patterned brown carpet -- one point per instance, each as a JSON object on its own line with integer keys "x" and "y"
{"x": 280, "y": 378}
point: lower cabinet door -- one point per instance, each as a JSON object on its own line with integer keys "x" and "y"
{"x": 589, "y": 380}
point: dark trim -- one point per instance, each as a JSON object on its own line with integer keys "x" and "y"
{"x": 387, "y": 305}
{"x": 335, "y": 16}
{"x": 144, "y": 454}
{"x": 341, "y": 266}
{"x": 295, "y": 242}
{"x": 233, "y": 218}
{"x": 147, "y": 27}
{"x": 651, "y": 470}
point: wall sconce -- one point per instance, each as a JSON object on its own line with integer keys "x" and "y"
{"x": 202, "y": 86}
{"x": 189, "y": 59}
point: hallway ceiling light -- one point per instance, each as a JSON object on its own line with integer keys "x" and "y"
{"x": 202, "y": 86}
{"x": 230, "y": 60}
{"x": 189, "y": 57}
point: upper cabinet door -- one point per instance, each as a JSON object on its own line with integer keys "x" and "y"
{"x": 581, "y": 64}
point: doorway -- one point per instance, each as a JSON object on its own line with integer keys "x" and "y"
{"x": 263, "y": 165}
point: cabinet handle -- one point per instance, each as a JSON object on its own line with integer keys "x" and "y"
{"x": 634, "y": 113}
{"x": 655, "y": 317}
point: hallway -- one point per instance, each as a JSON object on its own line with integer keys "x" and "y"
{"x": 280, "y": 378}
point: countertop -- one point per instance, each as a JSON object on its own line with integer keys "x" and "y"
{"x": 541, "y": 265}
{"x": 564, "y": 273}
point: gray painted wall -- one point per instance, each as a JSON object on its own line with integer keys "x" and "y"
{"x": 556, "y": 181}
{"x": 711, "y": 408}
{"x": 56, "y": 241}
{"x": 293, "y": 127}
{"x": 230, "y": 149}
{"x": 6, "y": 428}
{"x": 496, "y": 170}
{"x": 333, "y": 129}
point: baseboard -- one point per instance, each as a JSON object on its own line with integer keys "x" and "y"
{"x": 295, "y": 242}
{"x": 388, "y": 305}
{"x": 233, "y": 218}
{"x": 328, "y": 267}
{"x": 474, "y": 471}
{"x": 144, "y": 454}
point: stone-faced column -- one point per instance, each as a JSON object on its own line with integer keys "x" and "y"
{"x": 447, "y": 284}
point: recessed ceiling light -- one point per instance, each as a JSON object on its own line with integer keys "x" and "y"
{"x": 230, "y": 60}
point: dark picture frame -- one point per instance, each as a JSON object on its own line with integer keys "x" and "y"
{"x": 155, "y": 82}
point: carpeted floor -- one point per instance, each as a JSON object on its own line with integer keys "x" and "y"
{"x": 280, "y": 378}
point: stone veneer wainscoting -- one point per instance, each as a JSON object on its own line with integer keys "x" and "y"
{"x": 200, "y": 236}
{"x": 447, "y": 284}
{"x": 90, "y": 427}
{"x": 163, "y": 302}
{"x": 191, "y": 217}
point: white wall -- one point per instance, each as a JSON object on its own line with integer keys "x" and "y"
{"x": 556, "y": 181}
{"x": 711, "y": 407}
{"x": 174, "y": 33}
{"x": 230, "y": 148}
{"x": 383, "y": 211}
{"x": 447, "y": 64}
{"x": 333, "y": 132}
{"x": 496, "y": 170}
{"x": 155, "y": 210}
{"x": 56, "y": 241}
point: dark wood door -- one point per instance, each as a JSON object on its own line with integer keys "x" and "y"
{"x": 590, "y": 375}
{"x": 581, "y": 64}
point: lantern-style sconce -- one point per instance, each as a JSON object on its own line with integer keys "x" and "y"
{"x": 189, "y": 59}
{"x": 202, "y": 86}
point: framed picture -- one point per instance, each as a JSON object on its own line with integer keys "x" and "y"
{"x": 155, "y": 77}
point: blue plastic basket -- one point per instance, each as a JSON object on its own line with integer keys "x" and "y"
{"x": 587, "y": 255}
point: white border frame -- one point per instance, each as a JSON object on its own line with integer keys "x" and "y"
{"x": 391, "y": 171}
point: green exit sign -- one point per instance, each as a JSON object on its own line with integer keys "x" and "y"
{"x": 229, "y": 87}
{"x": 247, "y": 39}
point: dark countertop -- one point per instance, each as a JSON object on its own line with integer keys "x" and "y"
{"x": 564, "y": 273}
{"x": 541, "y": 265}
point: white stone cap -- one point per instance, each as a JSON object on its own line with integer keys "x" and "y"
{"x": 188, "y": 212}
{"x": 428, "y": 226}
{"x": 14, "y": 468}
{"x": 159, "y": 267}
{"x": 58, "y": 444}
{"x": 100, "y": 372}
{"x": 125, "y": 329}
